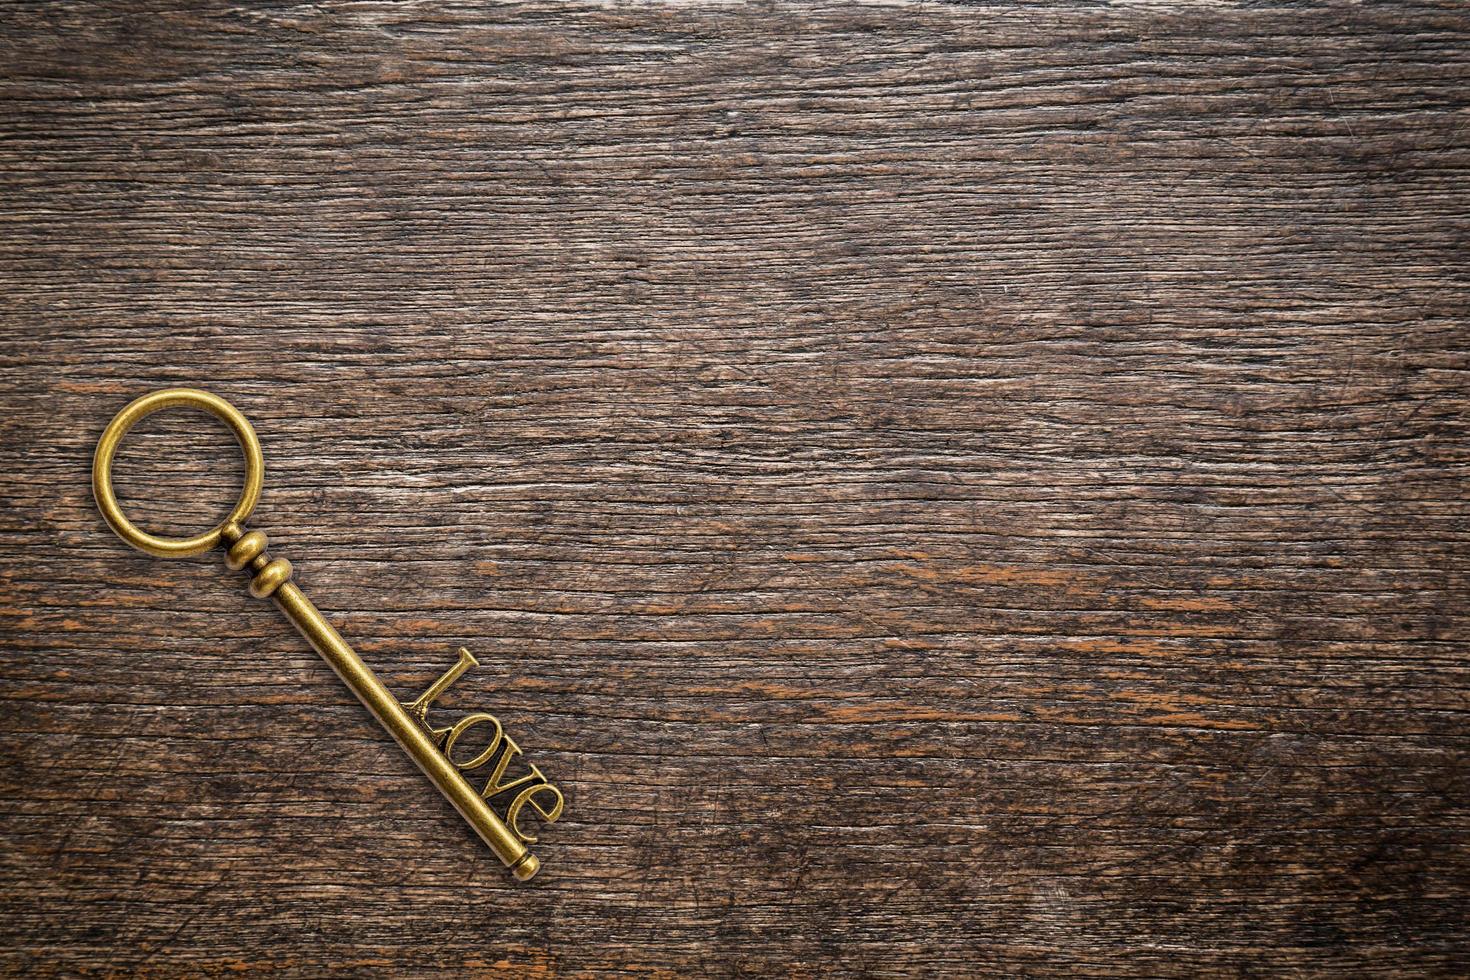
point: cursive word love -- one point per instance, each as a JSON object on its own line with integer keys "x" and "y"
{"x": 501, "y": 748}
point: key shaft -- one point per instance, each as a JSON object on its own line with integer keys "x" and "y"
{"x": 273, "y": 579}
{"x": 340, "y": 656}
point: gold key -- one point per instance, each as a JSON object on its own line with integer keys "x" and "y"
{"x": 430, "y": 746}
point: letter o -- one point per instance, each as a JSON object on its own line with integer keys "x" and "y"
{"x": 464, "y": 725}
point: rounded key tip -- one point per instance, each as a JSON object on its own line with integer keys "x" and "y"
{"x": 525, "y": 869}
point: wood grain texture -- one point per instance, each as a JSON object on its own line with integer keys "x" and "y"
{"x": 946, "y": 490}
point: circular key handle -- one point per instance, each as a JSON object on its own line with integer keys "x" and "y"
{"x": 136, "y": 411}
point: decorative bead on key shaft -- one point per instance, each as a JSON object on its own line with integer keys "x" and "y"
{"x": 431, "y": 748}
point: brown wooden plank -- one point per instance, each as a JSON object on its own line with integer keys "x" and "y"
{"x": 946, "y": 490}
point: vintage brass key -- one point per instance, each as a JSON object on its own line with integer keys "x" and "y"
{"x": 432, "y": 748}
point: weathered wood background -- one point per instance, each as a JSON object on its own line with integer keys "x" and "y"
{"x": 946, "y": 490}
